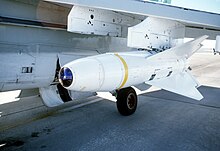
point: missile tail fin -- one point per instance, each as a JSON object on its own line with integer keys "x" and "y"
{"x": 180, "y": 52}
{"x": 182, "y": 83}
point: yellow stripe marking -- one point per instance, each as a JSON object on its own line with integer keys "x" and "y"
{"x": 126, "y": 70}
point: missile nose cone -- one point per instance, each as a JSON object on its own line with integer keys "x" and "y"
{"x": 65, "y": 77}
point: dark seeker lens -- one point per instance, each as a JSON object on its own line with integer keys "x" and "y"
{"x": 66, "y": 77}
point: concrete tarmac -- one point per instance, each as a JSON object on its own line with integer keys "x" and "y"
{"x": 163, "y": 122}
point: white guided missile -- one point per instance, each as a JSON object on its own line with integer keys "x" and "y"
{"x": 111, "y": 71}
{"x": 114, "y": 71}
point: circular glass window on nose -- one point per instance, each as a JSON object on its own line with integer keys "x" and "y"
{"x": 66, "y": 77}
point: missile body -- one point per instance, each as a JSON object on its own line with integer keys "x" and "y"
{"x": 112, "y": 71}
{"x": 119, "y": 71}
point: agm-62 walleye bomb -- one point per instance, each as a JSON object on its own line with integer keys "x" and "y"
{"x": 56, "y": 61}
{"x": 117, "y": 72}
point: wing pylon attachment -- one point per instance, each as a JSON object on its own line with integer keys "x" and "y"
{"x": 150, "y": 34}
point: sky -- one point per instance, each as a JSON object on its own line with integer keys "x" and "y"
{"x": 204, "y": 5}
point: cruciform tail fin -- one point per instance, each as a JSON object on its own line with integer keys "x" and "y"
{"x": 180, "y": 52}
{"x": 182, "y": 83}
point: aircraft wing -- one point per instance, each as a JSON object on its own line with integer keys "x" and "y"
{"x": 140, "y": 22}
{"x": 191, "y": 18}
